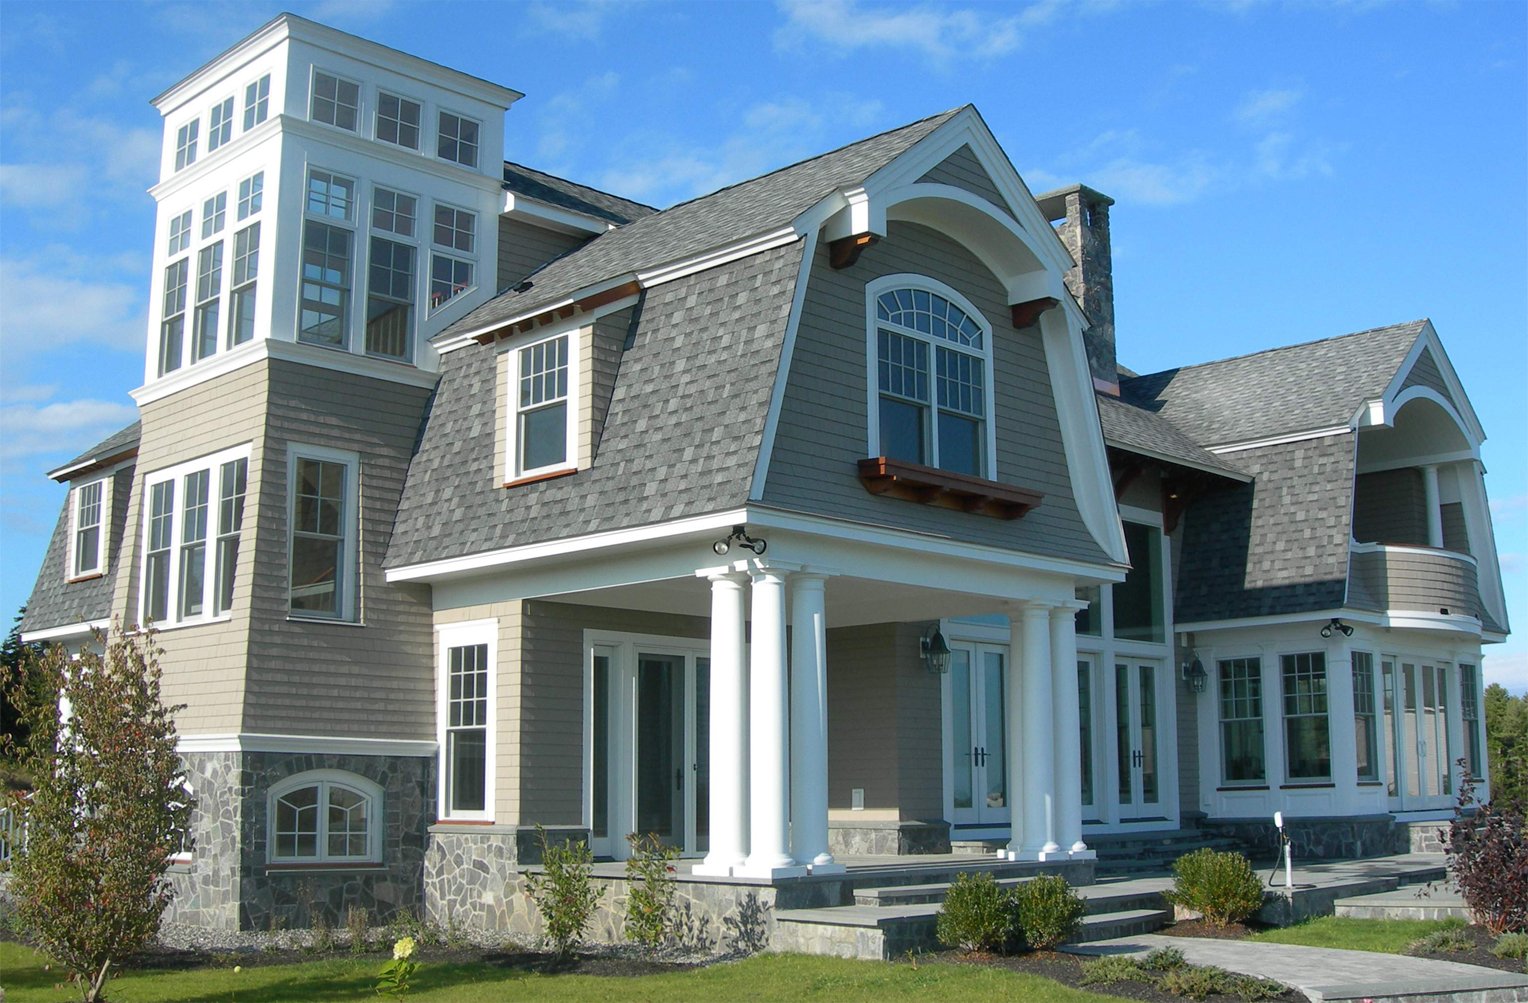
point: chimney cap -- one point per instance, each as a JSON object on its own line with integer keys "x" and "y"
{"x": 1053, "y": 204}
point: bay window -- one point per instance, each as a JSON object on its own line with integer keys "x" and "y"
{"x": 322, "y": 511}
{"x": 195, "y": 513}
{"x": 390, "y": 299}
{"x": 455, "y": 238}
{"x": 1307, "y": 732}
{"x": 1365, "y": 726}
{"x": 1241, "y": 721}
{"x": 1469, "y": 704}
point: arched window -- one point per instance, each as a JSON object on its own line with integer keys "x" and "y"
{"x": 325, "y": 816}
{"x": 932, "y": 377}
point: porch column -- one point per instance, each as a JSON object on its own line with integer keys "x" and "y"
{"x": 768, "y": 814}
{"x": 1063, "y": 638}
{"x": 809, "y": 724}
{"x": 1039, "y": 750}
{"x": 1342, "y": 740}
{"x": 1430, "y": 500}
{"x": 1013, "y": 711}
{"x": 729, "y": 728}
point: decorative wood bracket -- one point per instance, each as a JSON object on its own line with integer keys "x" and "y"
{"x": 845, "y": 251}
{"x": 1026, "y": 313}
{"x": 931, "y": 486}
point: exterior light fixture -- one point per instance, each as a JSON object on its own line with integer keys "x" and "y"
{"x": 1194, "y": 674}
{"x": 1338, "y": 625}
{"x": 742, "y": 539}
{"x": 935, "y": 651}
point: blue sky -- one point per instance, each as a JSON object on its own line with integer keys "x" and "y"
{"x": 1282, "y": 171}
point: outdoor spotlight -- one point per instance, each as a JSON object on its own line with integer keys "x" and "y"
{"x": 1337, "y": 624}
{"x": 742, "y": 539}
{"x": 935, "y": 651}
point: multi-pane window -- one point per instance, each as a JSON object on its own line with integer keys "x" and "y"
{"x": 185, "y": 144}
{"x": 180, "y": 232}
{"x": 394, "y": 212}
{"x": 1365, "y": 718}
{"x": 195, "y": 514}
{"x": 326, "y": 258}
{"x": 390, "y": 299}
{"x": 1140, "y": 601}
{"x": 1469, "y": 704}
{"x": 220, "y": 124}
{"x": 331, "y": 195}
{"x": 322, "y": 550}
{"x": 246, "y": 269}
{"x": 931, "y": 370}
{"x": 398, "y": 120}
{"x": 214, "y": 211}
{"x": 257, "y": 98}
{"x": 89, "y": 532}
{"x": 323, "y": 820}
{"x": 1085, "y": 727}
{"x": 541, "y": 408}
{"x": 209, "y": 284}
{"x": 455, "y": 230}
{"x": 172, "y": 327}
{"x": 466, "y": 751}
{"x": 458, "y": 139}
{"x": 336, "y": 101}
{"x": 1241, "y": 721}
{"x": 251, "y": 194}
{"x": 1307, "y": 734}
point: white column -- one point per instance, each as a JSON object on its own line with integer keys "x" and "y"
{"x": 1063, "y": 642}
{"x": 768, "y": 758}
{"x": 1339, "y": 726}
{"x": 1039, "y": 751}
{"x": 1434, "y": 510}
{"x": 729, "y": 728}
{"x": 809, "y": 724}
{"x": 1013, "y": 724}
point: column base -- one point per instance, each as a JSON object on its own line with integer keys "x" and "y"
{"x": 828, "y": 867}
{"x": 706, "y": 869}
{"x": 1042, "y": 856}
{"x": 1081, "y": 854}
{"x": 769, "y": 871}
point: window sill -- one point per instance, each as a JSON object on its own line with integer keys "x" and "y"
{"x": 536, "y": 478}
{"x": 931, "y": 486}
{"x": 89, "y": 576}
{"x": 1307, "y": 787}
{"x": 1371, "y": 783}
{"x": 1234, "y": 789}
{"x": 297, "y": 867}
{"x": 331, "y": 621}
{"x": 464, "y": 821}
{"x": 164, "y": 627}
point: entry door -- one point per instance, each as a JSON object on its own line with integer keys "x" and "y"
{"x": 978, "y": 749}
{"x": 1417, "y": 712}
{"x": 1136, "y": 736}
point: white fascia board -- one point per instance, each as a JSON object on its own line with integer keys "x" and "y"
{"x": 1403, "y": 619}
{"x": 254, "y": 742}
{"x": 1461, "y": 410}
{"x": 553, "y": 217}
{"x": 1279, "y": 440}
{"x": 63, "y": 474}
{"x": 471, "y": 564}
{"x": 563, "y": 325}
{"x": 783, "y": 369}
{"x": 738, "y": 250}
{"x": 81, "y": 629}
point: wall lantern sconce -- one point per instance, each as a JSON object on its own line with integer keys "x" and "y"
{"x": 935, "y": 651}
{"x": 1337, "y": 624}
{"x": 1194, "y": 674}
{"x": 739, "y": 536}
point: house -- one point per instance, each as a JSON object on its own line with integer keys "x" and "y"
{"x": 807, "y": 520}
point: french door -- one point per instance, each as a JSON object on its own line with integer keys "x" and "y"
{"x": 978, "y": 739}
{"x": 1416, "y": 697}
{"x": 1136, "y": 738}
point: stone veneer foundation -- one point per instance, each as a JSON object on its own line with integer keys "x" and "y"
{"x": 1317, "y": 838}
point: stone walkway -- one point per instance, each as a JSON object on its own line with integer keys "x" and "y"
{"x": 1324, "y": 974}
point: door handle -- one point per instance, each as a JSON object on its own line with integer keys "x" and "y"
{"x": 679, "y": 779}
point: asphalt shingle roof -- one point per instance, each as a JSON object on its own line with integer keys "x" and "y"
{"x": 119, "y": 442}
{"x": 557, "y": 191}
{"x": 1136, "y": 430}
{"x": 56, "y": 601}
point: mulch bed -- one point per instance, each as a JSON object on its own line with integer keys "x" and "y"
{"x": 1067, "y": 969}
{"x": 1199, "y": 928}
{"x": 1480, "y": 954}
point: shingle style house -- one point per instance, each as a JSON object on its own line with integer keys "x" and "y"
{"x": 808, "y": 519}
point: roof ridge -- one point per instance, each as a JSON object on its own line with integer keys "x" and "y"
{"x": 578, "y": 184}
{"x": 1283, "y": 348}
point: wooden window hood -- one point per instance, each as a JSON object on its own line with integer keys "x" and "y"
{"x": 932, "y": 486}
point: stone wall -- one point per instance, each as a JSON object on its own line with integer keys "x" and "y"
{"x": 207, "y": 885}
{"x": 889, "y": 838}
{"x": 1315, "y": 838}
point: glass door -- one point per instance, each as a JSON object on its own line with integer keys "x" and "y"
{"x": 1421, "y": 777}
{"x": 660, "y": 759}
{"x": 1135, "y": 742}
{"x": 978, "y": 750}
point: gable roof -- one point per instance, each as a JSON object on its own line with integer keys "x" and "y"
{"x": 1283, "y": 391}
{"x": 745, "y": 209}
{"x": 1139, "y": 431}
{"x": 115, "y": 446}
{"x": 570, "y": 195}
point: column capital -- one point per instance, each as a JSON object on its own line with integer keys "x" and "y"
{"x": 723, "y": 577}
{"x": 1033, "y": 609}
{"x": 1066, "y": 606}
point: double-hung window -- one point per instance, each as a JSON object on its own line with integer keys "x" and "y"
{"x": 251, "y": 195}
{"x": 542, "y": 431}
{"x": 451, "y": 265}
{"x": 87, "y": 541}
{"x": 180, "y": 233}
{"x": 327, "y": 260}
{"x": 209, "y": 287}
{"x": 185, "y": 144}
{"x": 322, "y": 509}
{"x": 466, "y": 719}
{"x": 1469, "y": 704}
{"x": 390, "y": 299}
{"x": 195, "y": 516}
{"x": 1365, "y": 726}
{"x": 932, "y": 373}
{"x": 325, "y": 816}
{"x": 1241, "y": 721}
{"x": 398, "y": 120}
{"x": 214, "y": 212}
{"x": 336, "y": 101}
{"x": 172, "y": 326}
{"x": 1307, "y": 731}
{"x": 246, "y": 269}
{"x": 458, "y": 139}
{"x": 257, "y": 98}
{"x": 220, "y": 124}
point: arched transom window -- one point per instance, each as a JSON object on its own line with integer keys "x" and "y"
{"x": 325, "y": 816}
{"x": 932, "y": 366}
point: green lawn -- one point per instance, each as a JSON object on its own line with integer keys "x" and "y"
{"x": 1387, "y": 936}
{"x": 772, "y": 977}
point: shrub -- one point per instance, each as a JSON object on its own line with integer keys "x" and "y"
{"x": 977, "y": 915}
{"x": 1449, "y": 940}
{"x": 564, "y": 891}
{"x": 1164, "y": 959}
{"x": 1198, "y": 983}
{"x": 650, "y": 899}
{"x": 358, "y": 922}
{"x": 1112, "y": 968}
{"x": 1488, "y": 858}
{"x": 1219, "y": 886}
{"x": 1511, "y": 945}
{"x": 1047, "y": 912}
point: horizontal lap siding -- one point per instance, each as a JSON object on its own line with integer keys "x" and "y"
{"x": 506, "y": 738}
{"x": 822, "y": 430}
{"x": 961, "y": 169}
{"x": 523, "y": 248}
{"x": 371, "y": 681}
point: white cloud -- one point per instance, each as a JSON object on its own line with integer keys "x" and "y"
{"x": 1157, "y": 183}
{"x": 940, "y": 32}
{"x": 583, "y": 19}
{"x": 31, "y": 430}
{"x": 25, "y": 394}
{"x": 47, "y": 303}
{"x": 1278, "y": 158}
{"x": 1511, "y": 507}
{"x": 1511, "y": 563}
{"x": 41, "y": 186}
{"x": 1507, "y": 668}
{"x": 1260, "y": 107}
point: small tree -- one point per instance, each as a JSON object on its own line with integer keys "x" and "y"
{"x": 564, "y": 891}
{"x": 109, "y": 806}
{"x": 1487, "y": 847}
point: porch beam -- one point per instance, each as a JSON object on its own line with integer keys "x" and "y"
{"x": 729, "y": 728}
{"x": 809, "y": 724}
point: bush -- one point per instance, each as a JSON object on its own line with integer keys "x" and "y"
{"x": 977, "y": 915}
{"x": 1219, "y": 886}
{"x": 1047, "y": 913}
{"x": 564, "y": 891}
{"x": 1449, "y": 940}
{"x": 1164, "y": 959}
{"x": 1112, "y": 968}
{"x": 1511, "y": 945}
{"x": 1488, "y": 857}
{"x": 650, "y": 900}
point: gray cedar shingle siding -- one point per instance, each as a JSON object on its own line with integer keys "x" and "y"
{"x": 680, "y": 437}
{"x": 961, "y": 169}
{"x": 56, "y": 601}
{"x": 822, "y": 427}
{"x": 1278, "y": 545}
{"x": 523, "y": 248}
{"x": 1425, "y": 373}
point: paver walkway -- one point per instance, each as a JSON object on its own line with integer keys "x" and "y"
{"x": 1324, "y": 973}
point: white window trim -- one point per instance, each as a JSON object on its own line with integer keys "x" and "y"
{"x": 461, "y": 635}
{"x": 375, "y": 817}
{"x": 212, "y": 464}
{"x": 349, "y": 571}
{"x": 460, "y": 116}
{"x": 227, "y": 124}
{"x": 512, "y": 469}
{"x": 421, "y": 126}
{"x": 1285, "y": 717}
{"x": 1223, "y": 782}
{"x": 248, "y": 106}
{"x": 910, "y": 280}
{"x": 98, "y": 568}
{"x": 360, "y": 101}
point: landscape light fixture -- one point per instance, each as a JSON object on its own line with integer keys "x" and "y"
{"x": 1194, "y": 674}
{"x": 1337, "y": 624}
{"x": 739, "y": 536}
{"x": 935, "y": 651}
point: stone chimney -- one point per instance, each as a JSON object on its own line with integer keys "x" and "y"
{"x": 1084, "y": 217}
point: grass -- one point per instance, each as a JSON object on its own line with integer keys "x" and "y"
{"x": 1386, "y": 936}
{"x": 770, "y": 977}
